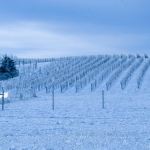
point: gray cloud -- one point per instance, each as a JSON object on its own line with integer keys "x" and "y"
{"x": 34, "y": 39}
{"x": 50, "y": 28}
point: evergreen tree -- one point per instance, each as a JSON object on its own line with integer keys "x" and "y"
{"x": 8, "y": 68}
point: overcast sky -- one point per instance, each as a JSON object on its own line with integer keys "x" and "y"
{"x": 58, "y": 28}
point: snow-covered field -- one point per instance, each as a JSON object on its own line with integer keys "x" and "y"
{"x": 78, "y": 121}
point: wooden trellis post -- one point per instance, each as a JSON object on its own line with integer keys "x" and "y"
{"x": 36, "y": 64}
{"x": 2, "y": 99}
{"x": 53, "y": 99}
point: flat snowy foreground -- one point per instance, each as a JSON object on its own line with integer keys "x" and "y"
{"x": 78, "y": 120}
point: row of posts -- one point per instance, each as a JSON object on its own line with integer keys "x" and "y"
{"x": 34, "y": 64}
{"x": 52, "y": 99}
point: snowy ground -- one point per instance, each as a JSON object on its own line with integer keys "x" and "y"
{"x": 78, "y": 120}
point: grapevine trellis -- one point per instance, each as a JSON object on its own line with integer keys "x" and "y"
{"x": 71, "y": 72}
{"x": 124, "y": 81}
{"x": 143, "y": 71}
{"x": 114, "y": 65}
{"x": 115, "y": 75}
